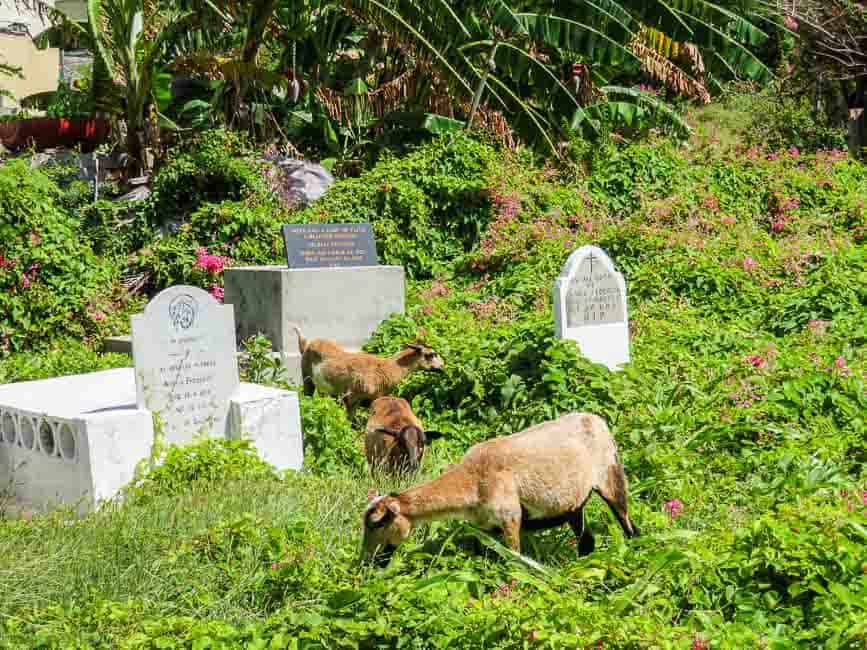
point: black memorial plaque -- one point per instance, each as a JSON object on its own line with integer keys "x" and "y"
{"x": 312, "y": 245}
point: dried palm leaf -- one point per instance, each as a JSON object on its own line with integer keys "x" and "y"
{"x": 665, "y": 71}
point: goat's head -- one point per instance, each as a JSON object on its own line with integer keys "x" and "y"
{"x": 413, "y": 440}
{"x": 426, "y": 358}
{"x": 384, "y": 529}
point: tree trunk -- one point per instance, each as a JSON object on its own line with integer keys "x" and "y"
{"x": 858, "y": 121}
{"x": 134, "y": 150}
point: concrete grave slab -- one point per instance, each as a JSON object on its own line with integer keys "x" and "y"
{"x": 343, "y": 304}
{"x": 79, "y": 439}
{"x": 590, "y": 307}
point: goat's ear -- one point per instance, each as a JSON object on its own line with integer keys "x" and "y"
{"x": 378, "y": 516}
{"x": 433, "y": 435}
{"x": 393, "y": 506}
{"x": 415, "y": 346}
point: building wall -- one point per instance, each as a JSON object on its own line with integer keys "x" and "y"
{"x": 9, "y": 14}
{"x": 41, "y": 68}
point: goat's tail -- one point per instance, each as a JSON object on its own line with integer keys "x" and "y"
{"x": 306, "y": 362}
{"x": 613, "y": 492}
{"x": 302, "y": 342}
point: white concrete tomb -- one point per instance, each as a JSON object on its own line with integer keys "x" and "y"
{"x": 590, "y": 307}
{"x": 78, "y": 439}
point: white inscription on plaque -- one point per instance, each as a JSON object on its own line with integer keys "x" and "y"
{"x": 590, "y": 307}
{"x": 185, "y": 364}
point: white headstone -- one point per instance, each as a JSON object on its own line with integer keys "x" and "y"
{"x": 186, "y": 368}
{"x": 590, "y": 307}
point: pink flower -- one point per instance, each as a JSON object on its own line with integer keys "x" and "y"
{"x": 756, "y": 361}
{"x": 791, "y": 24}
{"x": 588, "y": 226}
{"x": 699, "y": 644}
{"x": 97, "y": 316}
{"x": 749, "y": 264}
{"x": 25, "y": 281}
{"x": 864, "y": 497}
{"x": 673, "y": 508}
{"x": 777, "y": 225}
{"x": 773, "y": 156}
{"x": 275, "y": 566}
{"x": 209, "y": 263}
{"x": 218, "y": 292}
{"x": 841, "y": 367}
{"x": 818, "y": 327}
{"x": 794, "y": 152}
{"x": 35, "y": 239}
{"x": 792, "y": 203}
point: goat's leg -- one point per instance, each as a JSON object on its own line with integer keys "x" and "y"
{"x": 613, "y": 492}
{"x": 350, "y": 401}
{"x": 583, "y": 537}
{"x": 512, "y": 533}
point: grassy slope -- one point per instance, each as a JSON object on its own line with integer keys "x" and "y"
{"x": 745, "y": 401}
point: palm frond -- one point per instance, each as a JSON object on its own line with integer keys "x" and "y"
{"x": 657, "y": 65}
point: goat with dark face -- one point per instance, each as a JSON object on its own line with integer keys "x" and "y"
{"x": 395, "y": 440}
{"x": 539, "y": 478}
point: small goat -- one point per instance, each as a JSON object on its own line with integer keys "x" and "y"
{"x": 395, "y": 440}
{"x": 358, "y": 376}
{"x": 536, "y": 479}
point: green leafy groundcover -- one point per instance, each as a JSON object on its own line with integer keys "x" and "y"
{"x": 741, "y": 422}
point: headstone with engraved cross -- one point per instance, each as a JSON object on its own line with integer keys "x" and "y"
{"x": 185, "y": 365}
{"x": 590, "y": 307}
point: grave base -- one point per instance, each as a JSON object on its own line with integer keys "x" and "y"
{"x": 345, "y": 304}
{"x": 85, "y": 446}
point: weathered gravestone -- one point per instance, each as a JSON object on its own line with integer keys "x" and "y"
{"x": 185, "y": 364}
{"x": 590, "y": 307}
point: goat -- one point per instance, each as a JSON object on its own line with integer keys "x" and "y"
{"x": 395, "y": 440}
{"x": 536, "y": 479}
{"x": 358, "y": 376}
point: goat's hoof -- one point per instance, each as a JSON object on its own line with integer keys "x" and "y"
{"x": 586, "y": 544}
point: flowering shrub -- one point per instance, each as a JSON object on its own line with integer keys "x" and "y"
{"x": 51, "y": 283}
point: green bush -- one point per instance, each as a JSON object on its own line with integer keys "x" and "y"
{"x": 208, "y": 462}
{"x": 51, "y": 283}
{"x": 215, "y": 167}
{"x": 427, "y": 208}
{"x": 64, "y": 357}
{"x": 780, "y": 121}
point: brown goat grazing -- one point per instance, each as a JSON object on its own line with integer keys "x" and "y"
{"x": 358, "y": 376}
{"x": 536, "y": 479}
{"x": 395, "y": 440}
